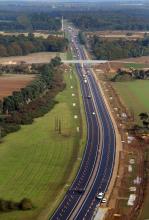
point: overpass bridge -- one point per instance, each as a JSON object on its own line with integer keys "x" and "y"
{"x": 85, "y": 61}
{"x": 94, "y": 62}
{"x": 82, "y": 62}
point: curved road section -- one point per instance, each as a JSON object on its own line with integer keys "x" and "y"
{"x": 97, "y": 163}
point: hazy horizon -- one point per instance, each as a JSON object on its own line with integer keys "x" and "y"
{"x": 77, "y": 0}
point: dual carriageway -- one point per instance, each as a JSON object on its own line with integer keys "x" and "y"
{"x": 97, "y": 164}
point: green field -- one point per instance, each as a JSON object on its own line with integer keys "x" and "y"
{"x": 37, "y": 162}
{"x": 136, "y": 65}
{"x": 134, "y": 95}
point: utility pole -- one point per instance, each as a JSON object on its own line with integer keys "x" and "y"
{"x": 59, "y": 127}
{"x": 56, "y": 124}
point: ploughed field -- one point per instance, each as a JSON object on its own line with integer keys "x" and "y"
{"x": 13, "y": 82}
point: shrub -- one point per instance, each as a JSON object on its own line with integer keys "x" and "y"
{"x": 25, "y": 204}
{"x": 3, "y": 205}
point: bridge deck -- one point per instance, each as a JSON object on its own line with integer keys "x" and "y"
{"x": 84, "y": 61}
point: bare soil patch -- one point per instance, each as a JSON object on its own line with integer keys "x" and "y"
{"x": 111, "y": 67}
{"x": 13, "y": 82}
{"x": 143, "y": 59}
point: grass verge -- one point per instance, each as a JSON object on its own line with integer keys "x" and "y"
{"x": 39, "y": 163}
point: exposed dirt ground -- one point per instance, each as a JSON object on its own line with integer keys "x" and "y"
{"x": 143, "y": 59}
{"x": 112, "y": 66}
{"x": 10, "y": 83}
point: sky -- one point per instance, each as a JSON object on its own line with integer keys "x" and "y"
{"x": 73, "y": 0}
{"x": 52, "y": 1}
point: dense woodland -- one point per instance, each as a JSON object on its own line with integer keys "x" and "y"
{"x": 111, "y": 19}
{"x": 34, "y": 100}
{"x": 116, "y": 49}
{"x": 25, "y": 21}
{"x": 22, "y": 45}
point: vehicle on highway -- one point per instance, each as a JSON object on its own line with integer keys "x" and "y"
{"x": 100, "y": 195}
{"x": 104, "y": 200}
{"x": 89, "y": 97}
{"x": 80, "y": 190}
{"x": 85, "y": 80}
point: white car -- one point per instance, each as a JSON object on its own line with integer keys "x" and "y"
{"x": 93, "y": 113}
{"x": 104, "y": 200}
{"x": 85, "y": 81}
{"x": 100, "y": 195}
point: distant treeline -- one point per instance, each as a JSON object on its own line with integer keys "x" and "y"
{"x": 14, "y": 21}
{"x": 98, "y": 19}
{"x": 22, "y": 45}
{"x": 111, "y": 19}
{"x": 34, "y": 100}
{"x": 116, "y": 49}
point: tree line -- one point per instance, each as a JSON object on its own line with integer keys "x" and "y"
{"x": 34, "y": 100}
{"x": 21, "y": 68}
{"x": 32, "y": 91}
{"x": 132, "y": 74}
{"x": 122, "y": 48}
{"x": 22, "y": 45}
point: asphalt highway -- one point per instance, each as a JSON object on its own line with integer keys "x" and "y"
{"x": 97, "y": 163}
